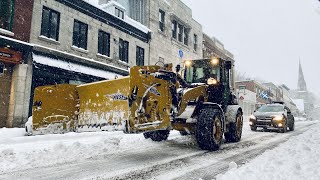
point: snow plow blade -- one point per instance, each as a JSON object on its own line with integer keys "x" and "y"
{"x": 54, "y": 109}
{"x": 103, "y": 105}
{"x": 137, "y": 103}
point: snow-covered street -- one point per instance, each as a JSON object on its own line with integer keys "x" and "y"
{"x": 114, "y": 155}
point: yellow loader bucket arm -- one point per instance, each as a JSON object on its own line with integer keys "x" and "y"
{"x": 55, "y": 109}
{"x": 149, "y": 100}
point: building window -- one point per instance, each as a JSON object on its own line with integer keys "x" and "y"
{"x": 180, "y": 32}
{"x": 186, "y": 36}
{"x": 80, "y": 34}
{"x": 50, "y": 23}
{"x": 195, "y": 42}
{"x": 161, "y": 20}
{"x": 124, "y": 50}
{"x": 104, "y": 43}
{"x": 174, "y": 29}
{"x": 6, "y": 14}
{"x": 140, "y": 56}
{"x": 119, "y": 13}
{"x": 136, "y": 10}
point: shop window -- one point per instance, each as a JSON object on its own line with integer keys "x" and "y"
{"x": 161, "y": 20}
{"x": 140, "y": 56}
{"x": 124, "y": 50}
{"x": 6, "y": 14}
{"x": 174, "y": 29}
{"x": 50, "y": 23}
{"x": 119, "y": 13}
{"x": 104, "y": 43}
{"x": 80, "y": 34}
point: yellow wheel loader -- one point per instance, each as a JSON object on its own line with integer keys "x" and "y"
{"x": 152, "y": 100}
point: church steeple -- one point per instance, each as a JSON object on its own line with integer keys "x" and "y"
{"x": 302, "y": 86}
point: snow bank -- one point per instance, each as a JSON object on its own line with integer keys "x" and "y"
{"x": 18, "y": 152}
{"x": 298, "y": 158}
{"x": 6, "y": 133}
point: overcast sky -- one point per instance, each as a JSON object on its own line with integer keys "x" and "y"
{"x": 267, "y": 37}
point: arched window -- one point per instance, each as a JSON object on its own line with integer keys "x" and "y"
{"x": 6, "y": 14}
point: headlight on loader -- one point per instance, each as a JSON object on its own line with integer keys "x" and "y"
{"x": 278, "y": 118}
{"x": 212, "y": 81}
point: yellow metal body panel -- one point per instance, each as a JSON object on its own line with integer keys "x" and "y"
{"x": 104, "y": 103}
{"x": 55, "y": 104}
{"x": 154, "y": 105}
{"x": 192, "y": 94}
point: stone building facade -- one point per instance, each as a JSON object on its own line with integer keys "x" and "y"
{"x": 257, "y": 88}
{"x": 15, "y": 57}
{"x": 66, "y": 41}
{"x": 176, "y": 36}
{"x": 212, "y": 47}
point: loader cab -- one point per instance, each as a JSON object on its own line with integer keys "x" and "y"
{"x": 213, "y": 71}
{"x": 216, "y": 73}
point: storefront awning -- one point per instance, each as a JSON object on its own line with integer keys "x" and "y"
{"x": 73, "y": 67}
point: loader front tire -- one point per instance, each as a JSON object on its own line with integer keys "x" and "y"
{"x": 209, "y": 132}
{"x": 235, "y": 129}
{"x": 160, "y": 135}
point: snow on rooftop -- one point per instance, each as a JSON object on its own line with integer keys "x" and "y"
{"x": 127, "y": 19}
{"x": 113, "y": 3}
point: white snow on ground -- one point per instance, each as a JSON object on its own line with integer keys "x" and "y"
{"x": 18, "y": 152}
{"x": 298, "y": 158}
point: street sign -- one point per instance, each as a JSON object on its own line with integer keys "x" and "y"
{"x": 180, "y": 53}
{"x": 264, "y": 95}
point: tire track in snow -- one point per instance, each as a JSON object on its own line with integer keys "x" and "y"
{"x": 170, "y": 159}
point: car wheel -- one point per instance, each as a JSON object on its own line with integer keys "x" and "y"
{"x": 291, "y": 128}
{"x": 253, "y": 128}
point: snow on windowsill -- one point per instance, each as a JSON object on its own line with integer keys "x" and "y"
{"x": 103, "y": 56}
{"x": 44, "y": 38}
{"x": 6, "y": 32}
{"x": 123, "y": 63}
{"x": 80, "y": 49}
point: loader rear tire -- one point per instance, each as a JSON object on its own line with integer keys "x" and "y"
{"x": 235, "y": 129}
{"x": 160, "y": 135}
{"x": 147, "y": 135}
{"x": 209, "y": 133}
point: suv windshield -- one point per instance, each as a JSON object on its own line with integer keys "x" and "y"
{"x": 200, "y": 71}
{"x": 268, "y": 108}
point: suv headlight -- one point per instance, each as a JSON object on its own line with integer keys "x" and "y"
{"x": 212, "y": 81}
{"x": 278, "y": 118}
{"x": 252, "y": 117}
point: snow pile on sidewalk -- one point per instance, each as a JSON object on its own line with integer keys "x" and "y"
{"x": 6, "y": 133}
{"x": 298, "y": 158}
{"x": 18, "y": 152}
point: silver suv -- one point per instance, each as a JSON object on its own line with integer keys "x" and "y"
{"x": 272, "y": 116}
